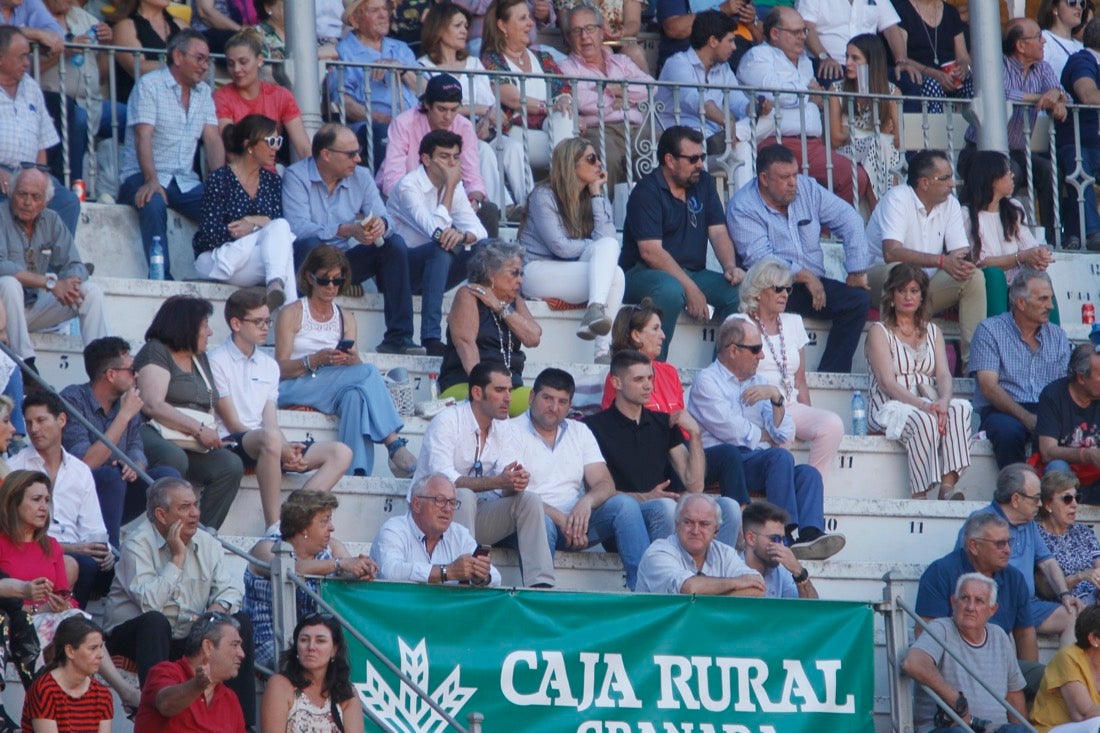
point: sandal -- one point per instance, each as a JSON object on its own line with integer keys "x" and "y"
{"x": 948, "y": 492}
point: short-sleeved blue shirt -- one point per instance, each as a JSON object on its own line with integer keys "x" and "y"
{"x": 937, "y": 585}
{"x": 1028, "y": 548}
{"x": 654, "y": 213}
{"x": 1080, "y": 65}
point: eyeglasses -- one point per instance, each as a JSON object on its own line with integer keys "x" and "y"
{"x": 259, "y": 322}
{"x": 703, "y": 524}
{"x": 782, "y": 289}
{"x": 358, "y": 152}
{"x": 751, "y": 348}
{"x": 1029, "y": 38}
{"x": 326, "y": 281}
{"x": 442, "y": 502}
{"x": 1068, "y": 498}
{"x": 999, "y": 544}
{"x": 1032, "y": 497}
{"x": 27, "y": 165}
{"x": 692, "y": 159}
{"x": 794, "y": 31}
{"x": 274, "y": 141}
{"x": 944, "y": 178}
{"x": 124, "y": 369}
{"x": 592, "y": 159}
{"x": 579, "y": 31}
{"x": 202, "y": 59}
{"x": 315, "y": 618}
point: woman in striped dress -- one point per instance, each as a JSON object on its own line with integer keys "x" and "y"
{"x": 911, "y": 387}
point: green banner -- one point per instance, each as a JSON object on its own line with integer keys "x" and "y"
{"x": 552, "y": 662}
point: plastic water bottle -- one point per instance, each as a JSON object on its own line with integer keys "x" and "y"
{"x": 77, "y": 59}
{"x": 156, "y": 260}
{"x": 859, "y": 414}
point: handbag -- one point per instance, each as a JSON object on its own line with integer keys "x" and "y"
{"x": 206, "y": 419}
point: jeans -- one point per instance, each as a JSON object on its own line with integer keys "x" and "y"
{"x": 1006, "y": 728}
{"x": 389, "y": 266}
{"x": 619, "y": 517}
{"x": 660, "y": 519}
{"x": 847, "y": 308}
{"x": 1090, "y": 164}
{"x": 14, "y": 390}
{"x": 121, "y": 501}
{"x": 1007, "y": 434}
{"x": 432, "y": 272}
{"x": 90, "y": 578}
{"x": 153, "y": 217}
{"x": 668, "y": 295}
{"x": 796, "y": 489}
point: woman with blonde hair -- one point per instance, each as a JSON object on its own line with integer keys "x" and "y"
{"x": 572, "y": 249}
{"x": 7, "y": 430}
{"x": 764, "y": 294}
{"x": 911, "y": 387}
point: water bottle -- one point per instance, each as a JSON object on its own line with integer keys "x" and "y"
{"x": 859, "y": 414}
{"x": 77, "y": 59}
{"x": 156, "y": 260}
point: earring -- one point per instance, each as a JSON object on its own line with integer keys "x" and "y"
{"x": 305, "y": 535}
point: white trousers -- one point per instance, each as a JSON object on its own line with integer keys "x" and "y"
{"x": 1092, "y": 725}
{"x": 48, "y": 311}
{"x": 254, "y": 259}
{"x": 540, "y": 143}
{"x": 595, "y": 278}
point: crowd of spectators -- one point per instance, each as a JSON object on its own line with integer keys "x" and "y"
{"x": 293, "y": 224}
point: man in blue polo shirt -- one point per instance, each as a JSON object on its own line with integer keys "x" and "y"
{"x": 1016, "y": 500}
{"x": 670, "y": 216}
{"x": 987, "y": 551}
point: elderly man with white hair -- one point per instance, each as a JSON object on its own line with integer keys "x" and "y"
{"x": 692, "y": 561}
{"x": 988, "y": 655}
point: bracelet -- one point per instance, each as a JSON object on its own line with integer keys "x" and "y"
{"x": 337, "y": 565}
{"x": 1018, "y": 263}
{"x": 1065, "y": 593}
{"x": 940, "y": 265}
{"x": 507, "y": 310}
{"x": 442, "y": 574}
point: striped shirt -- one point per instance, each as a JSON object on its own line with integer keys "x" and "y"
{"x": 47, "y": 701}
{"x": 1037, "y": 79}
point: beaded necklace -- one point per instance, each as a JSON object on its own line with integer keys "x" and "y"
{"x": 787, "y": 382}
{"x": 505, "y": 353}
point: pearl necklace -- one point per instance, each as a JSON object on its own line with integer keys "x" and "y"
{"x": 505, "y": 353}
{"x": 785, "y": 377}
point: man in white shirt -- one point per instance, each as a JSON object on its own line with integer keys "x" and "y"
{"x": 76, "y": 520}
{"x": 736, "y": 406}
{"x": 430, "y": 210}
{"x": 569, "y": 473}
{"x": 247, "y": 412}
{"x": 781, "y": 63}
{"x": 692, "y": 561}
{"x": 832, "y": 23}
{"x": 472, "y": 445}
{"x": 426, "y": 545}
{"x": 921, "y": 223}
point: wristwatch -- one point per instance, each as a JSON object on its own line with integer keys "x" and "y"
{"x": 442, "y": 574}
{"x": 51, "y": 280}
{"x": 802, "y": 577}
{"x": 823, "y": 56}
{"x": 779, "y": 403}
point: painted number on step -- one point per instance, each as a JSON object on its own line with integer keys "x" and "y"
{"x": 916, "y": 527}
{"x": 387, "y": 504}
{"x": 64, "y": 361}
{"x": 708, "y": 335}
{"x": 416, "y": 383}
{"x": 831, "y": 524}
{"x": 812, "y": 338}
{"x": 846, "y": 461}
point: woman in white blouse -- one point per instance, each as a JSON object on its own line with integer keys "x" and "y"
{"x": 1000, "y": 240}
{"x": 764, "y": 294}
{"x": 1058, "y": 18}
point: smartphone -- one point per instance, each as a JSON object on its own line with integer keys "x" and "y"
{"x": 482, "y": 551}
{"x": 345, "y": 345}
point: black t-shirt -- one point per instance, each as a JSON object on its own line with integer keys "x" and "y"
{"x": 925, "y": 44}
{"x": 1062, "y": 419}
{"x": 636, "y": 453}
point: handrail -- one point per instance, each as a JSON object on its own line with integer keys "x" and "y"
{"x": 893, "y": 649}
{"x": 283, "y": 574}
{"x": 116, "y": 452}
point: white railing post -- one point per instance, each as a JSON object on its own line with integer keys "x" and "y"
{"x": 284, "y": 606}
{"x": 897, "y": 642}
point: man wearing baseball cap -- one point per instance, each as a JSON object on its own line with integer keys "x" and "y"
{"x": 439, "y": 110}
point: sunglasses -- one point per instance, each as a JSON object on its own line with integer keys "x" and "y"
{"x": 592, "y": 159}
{"x": 692, "y": 159}
{"x": 751, "y": 348}
{"x": 1068, "y": 498}
{"x": 27, "y": 165}
{"x": 273, "y": 141}
{"x": 326, "y": 281}
{"x": 782, "y": 289}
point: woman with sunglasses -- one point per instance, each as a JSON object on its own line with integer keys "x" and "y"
{"x": 1057, "y": 19}
{"x": 1075, "y": 546}
{"x": 243, "y": 238}
{"x": 764, "y": 294}
{"x": 248, "y": 95}
{"x": 313, "y": 693}
{"x": 572, "y": 250}
{"x": 320, "y": 367}
{"x": 911, "y": 387}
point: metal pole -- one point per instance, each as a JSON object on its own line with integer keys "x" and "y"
{"x": 989, "y": 85}
{"x": 301, "y": 47}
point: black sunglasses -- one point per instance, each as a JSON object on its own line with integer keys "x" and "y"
{"x": 783, "y": 289}
{"x": 326, "y": 281}
{"x": 1068, "y": 498}
{"x": 751, "y": 348}
{"x": 27, "y": 165}
{"x": 692, "y": 159}
{"x": 592, "y": 159}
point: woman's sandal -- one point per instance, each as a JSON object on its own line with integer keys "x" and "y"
{"x": 948, "y": 492}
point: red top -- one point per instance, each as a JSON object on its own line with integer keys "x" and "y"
{"x": 222, "y": 714}
{"x": 47, "y": 701}
{"x": 668, "y": 392}
{"x": 27, "y": 561}
{"x": 273, "y": 101}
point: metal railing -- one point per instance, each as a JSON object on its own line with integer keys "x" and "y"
{"x": 894, "y": 611}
